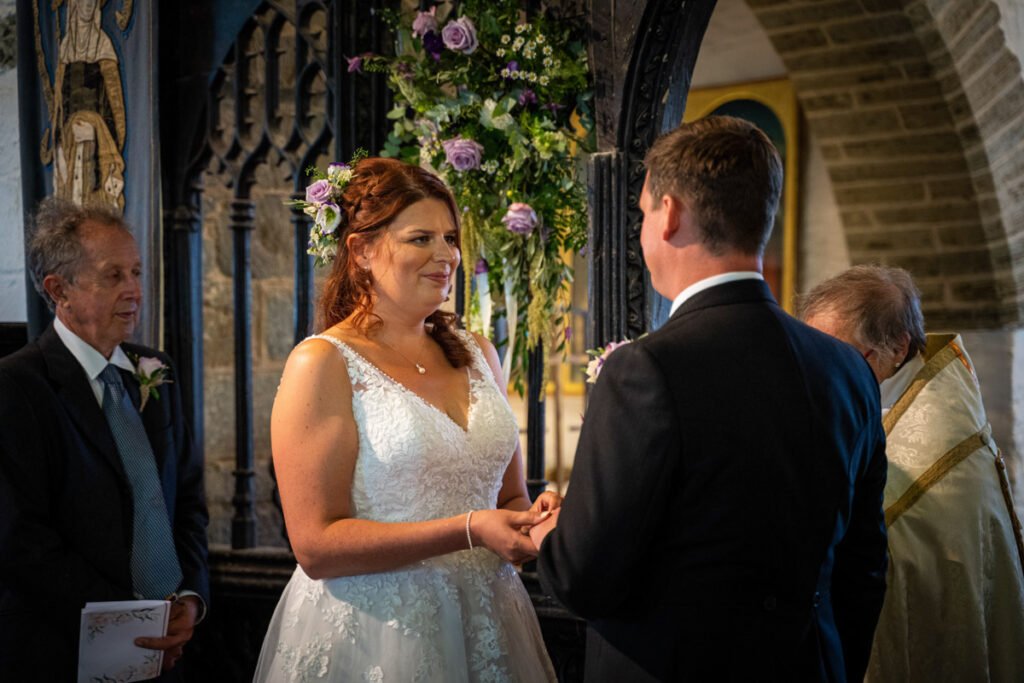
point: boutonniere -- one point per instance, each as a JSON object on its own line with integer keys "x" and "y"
{"x": 599, "y": 357}
{"x": 150, "y": 373}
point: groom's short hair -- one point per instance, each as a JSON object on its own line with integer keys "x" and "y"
{"x": 730, "y": 172}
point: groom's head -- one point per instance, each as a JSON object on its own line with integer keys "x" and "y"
{"x": 727, "y": 174}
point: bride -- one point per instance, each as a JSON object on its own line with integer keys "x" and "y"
{"x": 398, "y": 463}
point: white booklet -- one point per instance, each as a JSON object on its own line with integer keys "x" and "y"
{"x": 106, "y": 648}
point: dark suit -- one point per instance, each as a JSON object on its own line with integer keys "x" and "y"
{"x": 66, "y": 505}
{"x": 723, "y": 520}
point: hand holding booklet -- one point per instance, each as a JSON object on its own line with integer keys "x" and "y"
{"x": 107, "y": 649}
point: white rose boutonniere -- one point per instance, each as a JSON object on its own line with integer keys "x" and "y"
{"x": 151, "y": 373}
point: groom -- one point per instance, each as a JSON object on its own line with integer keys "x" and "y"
{"x": 724, "y": 517}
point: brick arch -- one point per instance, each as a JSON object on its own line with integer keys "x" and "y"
{"x": 918, "y": 106}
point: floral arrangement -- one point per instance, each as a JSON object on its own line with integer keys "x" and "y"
{"x": 150, "y": 373}
{"x": 600, "y": 357}
{"x": 321, "y": 204}
{"x": 497, "y": 103}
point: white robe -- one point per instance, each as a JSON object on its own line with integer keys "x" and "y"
{"x": 954, "y": 609}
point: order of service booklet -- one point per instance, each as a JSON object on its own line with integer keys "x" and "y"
{"x": 107, "y": 651}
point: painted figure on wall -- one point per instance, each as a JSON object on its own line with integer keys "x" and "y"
{"x": 87, "y": 116}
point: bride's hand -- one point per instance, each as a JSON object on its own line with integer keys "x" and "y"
{"x": 548, "y": 501}
{"x": 500, "y": 532}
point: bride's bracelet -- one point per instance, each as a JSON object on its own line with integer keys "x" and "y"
{"x": 469, "y": 537}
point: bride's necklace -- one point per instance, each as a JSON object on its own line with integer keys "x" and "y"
{"x": 419, "y": 368}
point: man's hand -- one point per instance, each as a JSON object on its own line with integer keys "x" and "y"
{"x": 184, "y": 612}
{"x": 548, "y": 501}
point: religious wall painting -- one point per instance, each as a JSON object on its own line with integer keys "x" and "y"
{"x": 85, "y": 100}
{"x": 771, "y": 106}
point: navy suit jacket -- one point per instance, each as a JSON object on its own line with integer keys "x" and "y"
{"x": 724, "y": 516}
{"x": 66, "y": 504}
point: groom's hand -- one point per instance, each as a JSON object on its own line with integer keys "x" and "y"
{"x": 501, "y": 532}
{"x": 548, "y": 501}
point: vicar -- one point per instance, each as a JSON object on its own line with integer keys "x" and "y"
{"x": 724, "y": 520}
{"x": 101, "y": 487}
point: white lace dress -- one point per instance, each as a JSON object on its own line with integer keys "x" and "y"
{"x": 464, "y": 616}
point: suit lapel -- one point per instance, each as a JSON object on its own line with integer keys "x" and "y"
{"x": 76, "y": 394}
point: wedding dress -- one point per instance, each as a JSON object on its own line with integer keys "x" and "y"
{"x": 464, "y": 616}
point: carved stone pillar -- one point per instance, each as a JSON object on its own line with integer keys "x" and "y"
{"x": 243, "y": 524}
{"x": 183, "y": 301}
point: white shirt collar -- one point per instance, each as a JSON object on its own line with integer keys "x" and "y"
{"x": 894, "y": 387}
{"x": 710, "y": 282}
{"x": 91, "y": 360}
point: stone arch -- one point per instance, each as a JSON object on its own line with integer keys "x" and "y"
{"x": 918, "y": 108}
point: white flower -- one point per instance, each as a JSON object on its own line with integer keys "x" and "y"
{"x": 517, "y": 43}
{"x": 547, "y": 48}
{"x": 521, "y": 27}
{"x": 150, "y": 373}
{"x": 532, "y": 77}
{"x": 544, "y": 80}
{"x": 505, "y": 39}
{"x": 505, "y": 73}
{"x": 541, "y": 39}
{"x": 500, "y": 52}
{"x": 547, "y": 61}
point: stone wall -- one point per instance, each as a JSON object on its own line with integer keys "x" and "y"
{"x": 272, "y": 307}
{"x": 893, "y": 92}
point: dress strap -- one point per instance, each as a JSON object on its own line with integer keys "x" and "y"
{"x": 352, "y": 359}
{"x": 478, "y": 362}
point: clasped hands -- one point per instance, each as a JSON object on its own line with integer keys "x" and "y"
{"x": 507, "y": 532}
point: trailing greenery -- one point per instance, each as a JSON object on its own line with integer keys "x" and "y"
{"x": 498, "y": 105}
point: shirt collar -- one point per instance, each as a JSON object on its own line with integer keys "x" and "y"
{"x": 712, "y": 281}
{"x": 91, "y": 360}
{"x": 891, "y": 389}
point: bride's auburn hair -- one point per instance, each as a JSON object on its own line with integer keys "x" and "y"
{"x": 380, "y": 190}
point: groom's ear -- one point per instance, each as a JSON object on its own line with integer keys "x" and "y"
{"x": 674, "y": 209}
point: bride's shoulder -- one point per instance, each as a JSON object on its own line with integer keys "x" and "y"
{"x": 318, "y": 351}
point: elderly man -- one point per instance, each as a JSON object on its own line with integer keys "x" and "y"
{"x": 955, "y": 606}
{"x": 723, "y": 522}
{"x": 101, "y": 487}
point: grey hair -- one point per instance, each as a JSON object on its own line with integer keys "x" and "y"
{"x": 54, "y": 247}
{"x": 880, "y": 304}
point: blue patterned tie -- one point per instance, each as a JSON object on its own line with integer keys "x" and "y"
{"x": 156, "y": 572}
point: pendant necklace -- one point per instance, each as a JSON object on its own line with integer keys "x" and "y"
{"x": 419, "y": 368}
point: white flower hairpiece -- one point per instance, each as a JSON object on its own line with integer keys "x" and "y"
{"x": 323, "y": 205}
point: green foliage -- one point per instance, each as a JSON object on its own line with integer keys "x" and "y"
{"x": 523, "y": 94}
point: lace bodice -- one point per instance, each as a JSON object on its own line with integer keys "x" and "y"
{"x": 462, "y": 617}
{"x": 414, "y": 462}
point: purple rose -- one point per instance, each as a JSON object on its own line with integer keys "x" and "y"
{"x": 424, "y": 23}
{"x": 481, "y": 267}
{"x": 527, "y": 97}
{"x": 355, "y": 64}
{"x": 520, "y": 218}
{"x": 462, "y": 154}
{"x": 433, "y": 45}
{"x": 460, "y": 35}
{"x": 319, "y": 192}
